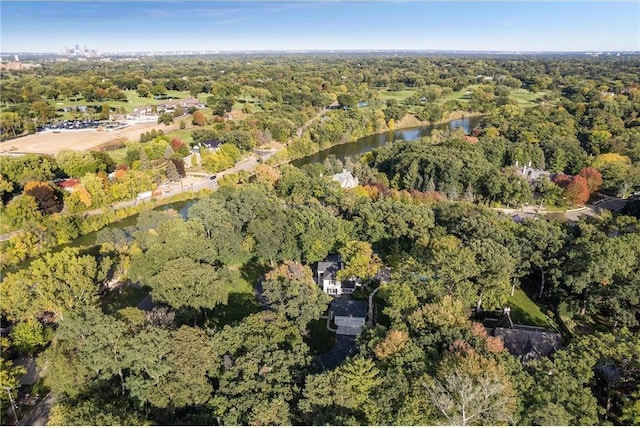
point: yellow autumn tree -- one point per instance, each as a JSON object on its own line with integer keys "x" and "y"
{"x": 610, "y": 158}
{"x": 393, "y": 342}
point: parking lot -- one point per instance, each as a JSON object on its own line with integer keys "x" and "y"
{"x": 75, "y": 125}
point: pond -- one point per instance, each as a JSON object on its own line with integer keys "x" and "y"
{"x": 90, "y": 239}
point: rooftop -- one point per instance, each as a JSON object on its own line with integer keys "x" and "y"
{"x": 346, "y": 307}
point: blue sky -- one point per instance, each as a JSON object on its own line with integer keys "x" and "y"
{"x": 311, "y": 25}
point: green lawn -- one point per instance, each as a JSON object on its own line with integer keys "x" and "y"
{"x": 182, "y": 134}
{"x": 319, "y": 339}
{"x": 396, "y": 95}
{"x": 133, "y": 100}
{"x": 525, "y": 98}
{"x": 526, "y": 311}
{"x": 242, "y": 299}
{"x": 462, "y": 95}
{"x": 119, "y": 155}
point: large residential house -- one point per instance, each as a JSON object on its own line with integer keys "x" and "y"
{"x": 186, "y": 104}
{"x": 327, "y": 277}
{"x": 523, "y": 341}
{"x": 532, "y": 175}
{"x": 346, "y": 179}
{"x": 145, "y": 113}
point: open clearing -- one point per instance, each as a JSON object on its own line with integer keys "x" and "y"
{"x": 51, "y": 143}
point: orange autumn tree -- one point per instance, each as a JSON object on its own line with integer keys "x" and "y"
{"x": 593, "y": 177}
{"x": 577, "y": 192}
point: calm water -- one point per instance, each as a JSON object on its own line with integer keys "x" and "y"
{"x": 182, "y": 207}
{"x": 90, "y": 239}
{"x": 366, "y": 144}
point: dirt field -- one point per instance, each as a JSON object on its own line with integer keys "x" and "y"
{"x": 52, "y": 143}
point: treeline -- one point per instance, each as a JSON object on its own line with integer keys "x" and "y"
{"x": 209, "y": 354}
{"x": 280, "y": 89}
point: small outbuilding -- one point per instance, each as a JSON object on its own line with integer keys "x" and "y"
{"x": 349, "y": 315}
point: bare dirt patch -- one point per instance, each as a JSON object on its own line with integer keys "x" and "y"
{"x": 51, "y": 143}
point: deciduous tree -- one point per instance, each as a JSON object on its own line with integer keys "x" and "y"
{"x": 470, "y": 389}
{"x": 360, "y": 261}
{"x": 290, "y": 289}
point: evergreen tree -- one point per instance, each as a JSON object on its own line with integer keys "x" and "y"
{"x": 172, "y": 172}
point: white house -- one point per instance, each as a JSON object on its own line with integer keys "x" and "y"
{"x": 531, "y": 174}
{"x": 142, "y": 114}
{"x": 327, "y": 271}
{"x": 346, "y": 179}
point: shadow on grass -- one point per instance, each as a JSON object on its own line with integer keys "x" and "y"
{"x": 319, "y": 339}
{"x": 252, "y": 270}
{"x": 239, "y": 306}
{"x": 122, "y": 297}
{"x": 525, "y": 311}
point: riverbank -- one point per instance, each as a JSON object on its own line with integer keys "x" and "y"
{"x": 190, "y": 187}
{"x": 367, "y": 143}
{"x": 410, "y": 121}
{"x": 406, "y": 127}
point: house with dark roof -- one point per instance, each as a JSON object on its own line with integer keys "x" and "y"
{"x": 525, "y": 342}
{"x": 327, "y": 277}
{"x": 349, "y": 315}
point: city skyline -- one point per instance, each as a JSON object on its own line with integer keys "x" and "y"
{"x": 153, "y": 26}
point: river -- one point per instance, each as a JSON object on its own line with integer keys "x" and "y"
{"x": 368, "y": 143}
{"x": 91, "y": 238}
{"x": 341, "y": 151}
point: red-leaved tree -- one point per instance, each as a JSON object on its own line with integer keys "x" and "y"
{"x": 577, "y": 192}
{"x": 561, "y": 180}
{"x": 593, "y": 177}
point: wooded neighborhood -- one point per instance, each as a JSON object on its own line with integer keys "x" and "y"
{"x": 432, "y": 281}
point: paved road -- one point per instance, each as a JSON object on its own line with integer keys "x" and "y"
{"x": 39, "y": 415}
{"x": 534, "y": 210}
{"x": 343, "y": 347}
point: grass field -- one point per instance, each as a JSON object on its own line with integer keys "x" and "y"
{"x": 396, "y": 95}
{"x": 461, "y": 95}
{"x": 526, "y": 311}
{"x": 522, "y": 96}
{"x": 133, "y": 99}
{"x": 319, "y": 339}
{"x": 525, "y": 98}
{"x": 242, "y": 298}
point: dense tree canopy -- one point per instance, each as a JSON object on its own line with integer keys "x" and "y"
{"x": 234, "y": 334}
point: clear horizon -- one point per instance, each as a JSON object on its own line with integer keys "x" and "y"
{"x": 204, "y": 26}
